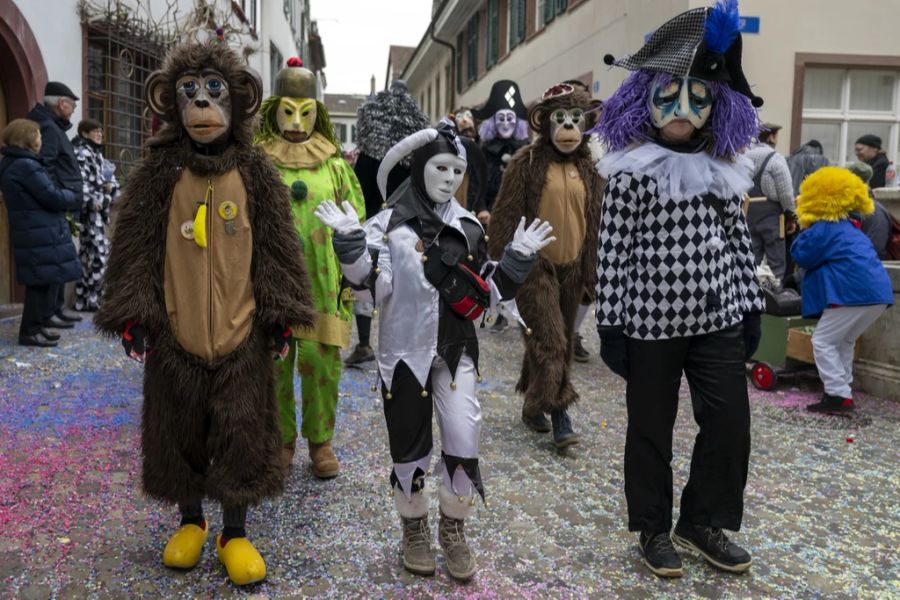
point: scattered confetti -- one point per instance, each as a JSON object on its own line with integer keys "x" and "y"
{"x": 75, "y": 523}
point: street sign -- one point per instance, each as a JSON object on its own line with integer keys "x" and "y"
{"x": 750, "y": 25}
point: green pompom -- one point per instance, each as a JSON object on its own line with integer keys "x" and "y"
{"x": 299, "y": 190}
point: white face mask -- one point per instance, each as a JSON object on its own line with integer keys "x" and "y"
{"x": 505, "y": 122}
{"x": 443, "y": 174}
{"x": 681, "y": 98}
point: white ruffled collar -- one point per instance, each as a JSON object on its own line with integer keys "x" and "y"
{"x": 681, "y": 176}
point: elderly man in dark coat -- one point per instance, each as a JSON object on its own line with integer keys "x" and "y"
{"x": 53, "y": 116}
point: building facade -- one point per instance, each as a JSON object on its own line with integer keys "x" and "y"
{"x": 105, "y": 49}
{"x": 342, "y": 110}
{"x": 827, "y": 69}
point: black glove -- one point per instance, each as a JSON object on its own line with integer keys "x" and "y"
{"x": 134, "y": 339}
{"x": 614, "y": 349}
{"x": 752, "y": 333}
{"x": 281, "y": 337}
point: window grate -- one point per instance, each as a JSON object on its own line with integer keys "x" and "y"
{"x": 119, "y": 61}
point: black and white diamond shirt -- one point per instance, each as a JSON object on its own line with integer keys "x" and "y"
{"x": 674, "y": 250}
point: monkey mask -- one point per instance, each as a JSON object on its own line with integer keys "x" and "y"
{"x": 207, "y": 92}
{"x": 562, "y": 116}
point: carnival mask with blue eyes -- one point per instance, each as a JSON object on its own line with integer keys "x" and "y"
{"x": 680, "y": 98}
{"x": 204, "y": 104}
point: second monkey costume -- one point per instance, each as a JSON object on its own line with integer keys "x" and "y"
{"x": 552, "y": 179}
{"x": 206, "y": 266}
{"x": 296, "y": 133}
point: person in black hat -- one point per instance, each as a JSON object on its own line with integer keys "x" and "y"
{"x": 52, "y": 115}
{"x": 503, "y": 130}
{"x": 677, "y": 291}
{"x": 868, "y": 149}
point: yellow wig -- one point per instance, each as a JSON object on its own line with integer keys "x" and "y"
{"x": 830, "y": 194}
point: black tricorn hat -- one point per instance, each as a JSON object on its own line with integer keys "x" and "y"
{"x": 504, "y": 95}
{"x": 55, "y": 88}
{"x": 704, "y": 43}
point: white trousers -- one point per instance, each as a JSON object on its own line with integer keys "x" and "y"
{"x": 834, "y": 340}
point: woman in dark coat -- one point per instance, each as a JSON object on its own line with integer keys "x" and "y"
{"x": 42, "y": 244}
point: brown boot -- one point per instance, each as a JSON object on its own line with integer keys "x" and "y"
{"x": 287, "y": 453}
{"x": 460, "y": 561}
{"x": 324, "y": 463}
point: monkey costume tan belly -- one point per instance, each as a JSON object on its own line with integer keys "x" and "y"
{"x": 209, "y": 296}
{"x": 210, "y": 419}
{"x": 566, "y": 193}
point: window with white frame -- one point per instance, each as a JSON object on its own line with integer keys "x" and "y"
{"x": 842, "y": 104}
{"x": 516, "y": 23}
{"x": 539, "y": 14}
{"x": 340, "y": 131}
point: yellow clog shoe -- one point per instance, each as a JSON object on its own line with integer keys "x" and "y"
{"x": 242, "y": 561}
{"x": 183, "y": 549}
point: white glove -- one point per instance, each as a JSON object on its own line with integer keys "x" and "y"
{"x": 529, "y": 241}
{"x": 342, "y": 221}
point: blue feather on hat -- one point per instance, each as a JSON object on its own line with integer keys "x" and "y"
{"x": 723, "y": 23}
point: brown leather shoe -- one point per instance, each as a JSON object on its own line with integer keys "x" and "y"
{"x": 287, "y": 453}
{"x": 324, "y": 463}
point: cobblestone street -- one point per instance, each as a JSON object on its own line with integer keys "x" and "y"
{"x": 822, "y": 504}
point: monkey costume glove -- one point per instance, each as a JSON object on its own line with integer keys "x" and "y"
{"x": 134, "y": 339}
{"x": 281, "y": 338}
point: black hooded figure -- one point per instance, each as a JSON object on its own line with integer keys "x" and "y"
{"x": 503, "y": 130}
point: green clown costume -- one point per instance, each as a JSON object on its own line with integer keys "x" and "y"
{"x": 296, "y": 133}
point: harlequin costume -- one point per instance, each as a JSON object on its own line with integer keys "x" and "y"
{"x": 100, "y": 187}
{"x": 424, "y": 261}
{"x": 553, "y": 180}
{"x": 204, "y": 273}
{"x": 296, "y": 134}
{"x": 677, "y": 289}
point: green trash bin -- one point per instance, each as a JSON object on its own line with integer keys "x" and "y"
{"x": 772, "y": 357}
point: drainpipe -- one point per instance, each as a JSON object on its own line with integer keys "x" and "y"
{"x": 452, "y": 82}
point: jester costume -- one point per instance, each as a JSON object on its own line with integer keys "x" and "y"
{"x": 296, "y": 134}
{"x": 677, "y": 292}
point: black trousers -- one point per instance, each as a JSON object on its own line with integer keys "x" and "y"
{"x": 57, "y": 298}
{"x": 38, "y": 307}
{"x": 714, "y": 366}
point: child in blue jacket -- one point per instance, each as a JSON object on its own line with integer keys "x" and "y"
{"x": 845, "y": 283}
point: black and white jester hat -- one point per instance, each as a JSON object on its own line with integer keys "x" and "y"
{"x": 703, "y": 42}
{"x": 505, "y": 94}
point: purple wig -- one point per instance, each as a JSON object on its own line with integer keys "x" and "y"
{"x": 487, "y": 131}
{"x": 626, "y": 117}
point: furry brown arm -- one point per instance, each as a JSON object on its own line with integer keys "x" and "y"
{"x": 519, "y": 195}
{"x": 280, "y": 283}
{"x": 133, "y": 282}
{"x": 594, "y": 186}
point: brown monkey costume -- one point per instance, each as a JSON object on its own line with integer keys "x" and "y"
{"x": 205, "y": 263}
{"x": 552, "y": 179}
